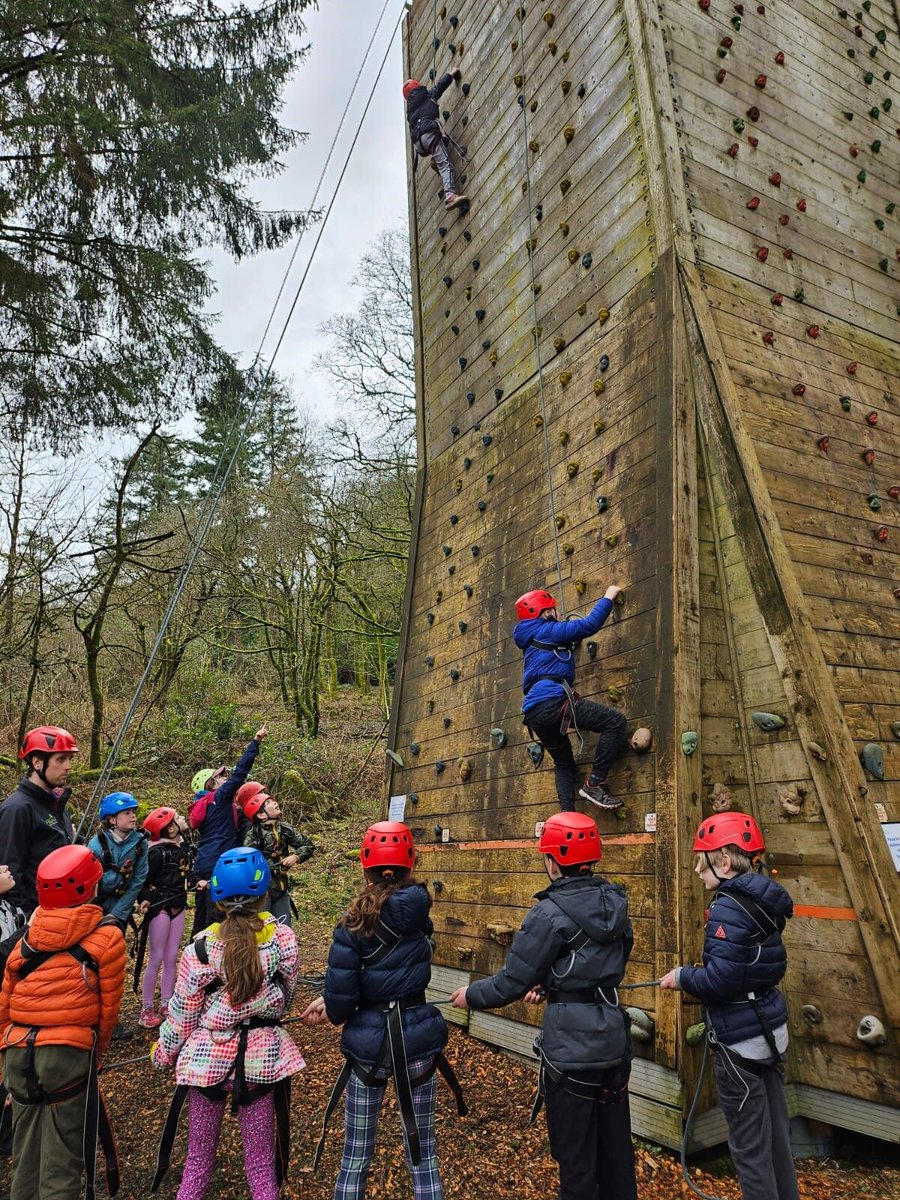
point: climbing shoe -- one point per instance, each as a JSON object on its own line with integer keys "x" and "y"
{"x": 452, "y": 200}
{"x": 599, "y": 794}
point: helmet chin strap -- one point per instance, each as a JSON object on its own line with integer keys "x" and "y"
{"x": 721, "y": 878}
{"x": 41, "y": 772}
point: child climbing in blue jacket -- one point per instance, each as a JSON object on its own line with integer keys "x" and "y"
{"x": 428, "y": 139}
{"x": 743, "y": 961}
{"x": 379, "y": 966}
{"x": 552, "y": 706}
{"x": 214, "y": 815}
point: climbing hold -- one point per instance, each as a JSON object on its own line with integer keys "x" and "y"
{"x": 464, "y": 768}
{"x": 875, "y": 146}
{"x": 395, "y": 758}
{"x": 613, "y": 694}
{"x": 549, "y": 18}
{"x": 868, "y": 456}
{"x": 518, "y": 79}
{"x": 737, "y": 125}
{"x": 775, "y": 179}
{"x": 612, "y": 539}
{"x": 572, "y": 469}
{"x": 582, "y": 90}
{"x": 599, "y": 426}
{"x": 801, "y": 205}
{"x": 566, "y": 85}
{"x": 573, "y": 256}
{"x": 535, "y": 752}
{"x": 778, "y": 299}
{"x": 597, "y": 473}
{"x": 498, "y": 393}
{"x": 753, "y": 202}
{"x": 799, "y": 295}
{"x": 481, "y": 505}
{"x": 642, "y": 1024}
{"x": 467, "y": 235}
{"x": 462, "y": 360}
{"x": 475, "y": 551}
{"x": 447, "y": 722}
{"x": 448, "y": 550}
{"x": 498, "y": 736}
{"x": 894, "y": 491}
{"x": 799, "y": 389}
{"x": 448, "y": 279}
{"x": 784, "y": 219}
{"x": 881, "y": 533}
{"x": 454, "y": 674}
{"x": 463, "y": 626}
{"x": 720, "y": 75}
{"x": 592, "y": 649}
{"x": 603, "y": 315}
{"x": 586, "y": 260}
{"x": 492, "y": 357}
{"x": 466, "y": 88}
{"x": 689, "y": 743}
{"x": 769, "y": 338}
{"x": 414, "y": 748}
{"x": 720, "y": 798}
{"x": 559, "y": 344}
{"x": 564, "y": 228}
{"x": 468, "y": 589}
{"x": 429, "y": 617}
{"x": 812, "y": 331}
{"x": 580, "y": 585}
{"x": 895, "y": 729}
{"x": 552, "y": 47}
{"x": 870, "y": 1031}
{"x": 538, "y": 421}
{"x": 846, "y": 403}
{"x": 767, "y": 721}
{"x": 429, "y": 660}
{"x": 641, "y": 740}
{"x": 823, "y": 443}
{"x": 537, "y": 331}
{"x": 568, "y": 548}
{"x": 694, "y": 1034}
{"x": 791, "y": 799}
{"x": 439, "y": 770}
{"x": 817, "y": 751}
{"x": 454, "y": 329}
{"x": 602, "y": 504}
{"x": 872, "y": 418}
{"x": 565, "y": 378}
{"x": 599, "y": 386}
{"x": 467, "y": 462}
{"x": 762, "y": 253}
{"x": 725, "y": 44}
{"x": 569, "y": 132}
{"x": 469, "y": 293}
{"x": 564, "y": 185}
{"x": 733, "y": 150}
{"x": 486, "y": 439}
{"x": 761, "y": 81}
{"x": 854, "y": 151}
{"x": 454, "y": 429}
{"x": 476, "y": 263}
{"x": 779, "y": 58}
{"x": 560, "y": 522}
{"x": 860, "y": 177}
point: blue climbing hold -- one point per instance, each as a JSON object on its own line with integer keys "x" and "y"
{"x": 487, "y": 439}
{"x": 462, "y": 362}
{"x": 448, "y": 550}
{"x": 604, "y": 362}
{"x": 486, "y": 344}
{"x": 479, "y": 314}
{"x": 475, "y": 551}
{"x": 498, "y": 393}
{"x": 429, "y": 660}
{"x": 454, "y": 429}
{"x": 467, "y": 462}
{"x": 454, "y": 329}
{"x": 453, "y": 518}
{"x": 463, "y": 626}
{"x": 602, "y": 504}
{"x": 448, "y": 279}
{"x": 470, "y": 396}
{"x": 586, "y": 260}
{"x": 466, "y": 88}
{"x": 482, "y": 505}
{"x": 476, "y": 263}
{"x": 442, "y": 230}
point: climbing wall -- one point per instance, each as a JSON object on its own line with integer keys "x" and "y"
{"x": 659, "y": 349}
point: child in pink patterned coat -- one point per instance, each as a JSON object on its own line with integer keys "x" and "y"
{"x": 223, "y": 1033}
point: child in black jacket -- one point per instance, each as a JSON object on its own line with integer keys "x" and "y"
{"x": 423, "y": 117}
{"x": 165, "y": 891}
{"x": 746, "y": 1016}
{"x": 572, "y": 951}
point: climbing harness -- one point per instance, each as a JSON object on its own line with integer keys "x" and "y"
{"x": 125, "y": 869}
{"x": 228, "y": 457}
{"x": 242, "y": 1093}
{"x": 392, "y": 1060}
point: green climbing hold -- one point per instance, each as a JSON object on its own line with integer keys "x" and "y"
{"x": 498, "y": 736}
{"x": 876, "y": 146}
{"x": 881, "y": 35}
{"x": 848, "y": 116}
{"x": 875, "y": 112}
{"x": 535, "y": 752}
{"x": 861, "y": 177}
{"x": 873, "y": 759}
{"x": 694, "y": 1034}
{"x": 689, "y": 742}
{"x": 883, "y": 263}
{"x": 868, "y": 77}
{"x": 737, "y": 125}
{"x": 889, "y": 208}
{"x": 879, "y": 223}
{"x": 394, "y": 757}
{"x": 887, "y": 104}
{"x": 767, "y": 721}
{"x": 845, "y": 403}
{"x": 463, "y": 626}
{"x": 874, "y": 502}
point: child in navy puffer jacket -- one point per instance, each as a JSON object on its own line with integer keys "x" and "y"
{"x": 743, "y": 960}
{"x": 378, "y": 968}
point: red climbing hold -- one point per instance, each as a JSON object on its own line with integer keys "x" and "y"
{"x": 769, "y": 338}
{"x": 726, "y": 43}
{"x": 812, "y": 331}
{"x": 704, "y": 4}
{"x": 869, "y": 456}
{"x": 823, "y": 443}
{"x": 754, "y": 141}
{"x": 799, "y": 389}
{"x": 778, "y": 299}
{"x": 753, "y": 202}
{"x": 788, "y": 253}
{"x": 779, "y": 58}
{"x": 854, "y": 150}
{"x": 733, "y": 150}
{"x": 894, "y": 491}
{"x": 801, "y": 205}
{"x": 775, "y": 179}
{"x": 762, "y": 253}
{"x": 761, "y": 81}
{"x": 881, "y": 533}
{"x": 852, "y": 368}
{"x": 720, "y": 78}
{"x": 739, "y": 9}
{"x": 784, "y": 219}
{"x": 872, "y": 418}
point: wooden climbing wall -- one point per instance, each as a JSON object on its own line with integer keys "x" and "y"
{"x": 676, "y": 280}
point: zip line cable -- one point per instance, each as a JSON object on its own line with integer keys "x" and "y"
{"x": 216, "y": 490}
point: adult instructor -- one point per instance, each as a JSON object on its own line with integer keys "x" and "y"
{"x": 33, "y": 817}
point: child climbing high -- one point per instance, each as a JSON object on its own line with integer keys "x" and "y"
{"x": 282, "y": 846}
{"x": 165, "y": 891}
{"x": 746, "y": 1017}
{"x": 551, "y": 706}
{"x": 214, "y": 815}
{"x": 59, "y": 1005}
{"x": 572, "y": 951}
{"x": 378, "y": 968}
{"x": 423, "y": 117}
{"x": 223, "y": 1035}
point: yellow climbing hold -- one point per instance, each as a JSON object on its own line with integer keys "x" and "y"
{"x": 599, "y": 426}
{"x": 597, "y": 472}
{"x": 569, "y": 132}
{"x": 564, "y": 438}
{"x": 565, "y": 56}
{"x": 564, "y": 185}
{"x": 568, "y": 548}
{"x": 611, "y": 539}
{"x": 581, "y": 309}
{"x": 492, "y": 357}
{"x": 536, "y": 288}
{"x": 599, "y": 387}
{"x": 551, "y": 46}
{"x": 560, "y": 522}
{"x": 565, "y": 377}
{"x": 524, "y": 186}
{"x": 580, "y": 585}
{"x": 443, "y": 12}
{"x": 538, "y": 421}
{"x": 603, "y": 316}
{"x": 530, "y": 244}
{"x": 514, "y": 47}
{"x": 572, "y": 469}
{"x": 549, "y": 18}
{"x": 518, "y": 80}
{"x": 559, "y": 343}
{"x": 469, "y": 293}
{"x": 534, "y": 145}
{"x": 564, "y": 228}
{"x": 566, "y": 86}
{"x": 536, "y": 331}
{"x": 573, "y": 256}
{"x": 533, "y": 106}
{"x": 459, "y": 486}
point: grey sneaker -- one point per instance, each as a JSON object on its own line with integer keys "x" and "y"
{"x": 599, "y": 794}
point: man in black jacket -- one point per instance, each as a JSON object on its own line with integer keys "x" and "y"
{"x": 423, "y": 116}
{"x": 33, "y": 818}
{"x": 572, "y": 951}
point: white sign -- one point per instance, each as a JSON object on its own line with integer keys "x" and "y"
{"x": 892, "y": 836}
{"x": 397, "y": 808}
{"x": 881, "y": 813}
{"x": 445, "y": 834}
{"x": 650, "y": 822}
{"x": 538, "y": 828}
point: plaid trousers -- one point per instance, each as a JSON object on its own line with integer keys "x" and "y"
{"x": 362, "y": 1107}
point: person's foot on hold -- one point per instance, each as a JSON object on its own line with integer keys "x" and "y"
{"x": 452, "y": 200}
{"x": 598, "y": 793}
{"x": 121, "y": 1034}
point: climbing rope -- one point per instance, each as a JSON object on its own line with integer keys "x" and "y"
{"x": 216, "y": 490}
{"x": 537, "y": 337}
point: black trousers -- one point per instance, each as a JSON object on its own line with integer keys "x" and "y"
{"x": 202, "y": 911}
{"x": 545, "y": 718}
{"x": 591, "y": 1139}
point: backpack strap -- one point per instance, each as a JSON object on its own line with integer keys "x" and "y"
{"x": 766, "y": 924}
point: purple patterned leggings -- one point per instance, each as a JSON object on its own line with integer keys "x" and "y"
{"x": 257, "y": 1121}
{"x": 165, "y": 942}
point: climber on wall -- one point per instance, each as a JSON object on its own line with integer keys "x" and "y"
{"x": 551, "y": 706}
{"x": 428, "y": 139}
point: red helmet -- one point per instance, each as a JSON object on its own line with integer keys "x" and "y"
{"x": 245, "y": 793}
{"x": 409, "y": 87}
{"x": 67, "y": 876}
{"x": 48, "y": 739}
{"x": 729, "y": 829}
{"x": 387, "y": 844}
{"x": 571, "y": 838}
{"x": 255, "y": 803}
{"x": 532, "y": 604}
{"x": 156, "y": 821}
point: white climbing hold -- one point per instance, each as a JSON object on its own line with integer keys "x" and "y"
{"x": 871, "y": 1032}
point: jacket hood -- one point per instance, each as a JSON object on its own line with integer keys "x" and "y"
{"x": 598, "y": 906}
{"x": 526, "y": 630}
{"x": 406, "y": 911}
{"x": 59, "y": 928}
{"x": 765, "y": 891}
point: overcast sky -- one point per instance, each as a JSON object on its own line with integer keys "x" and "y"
{"x": 372, "y": 195}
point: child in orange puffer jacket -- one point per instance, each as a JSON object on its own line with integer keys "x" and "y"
{"x": 58, "y": 1008}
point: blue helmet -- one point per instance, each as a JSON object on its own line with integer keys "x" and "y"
{"x": 241, "y": 872}
{"x": 116, "y": 802}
